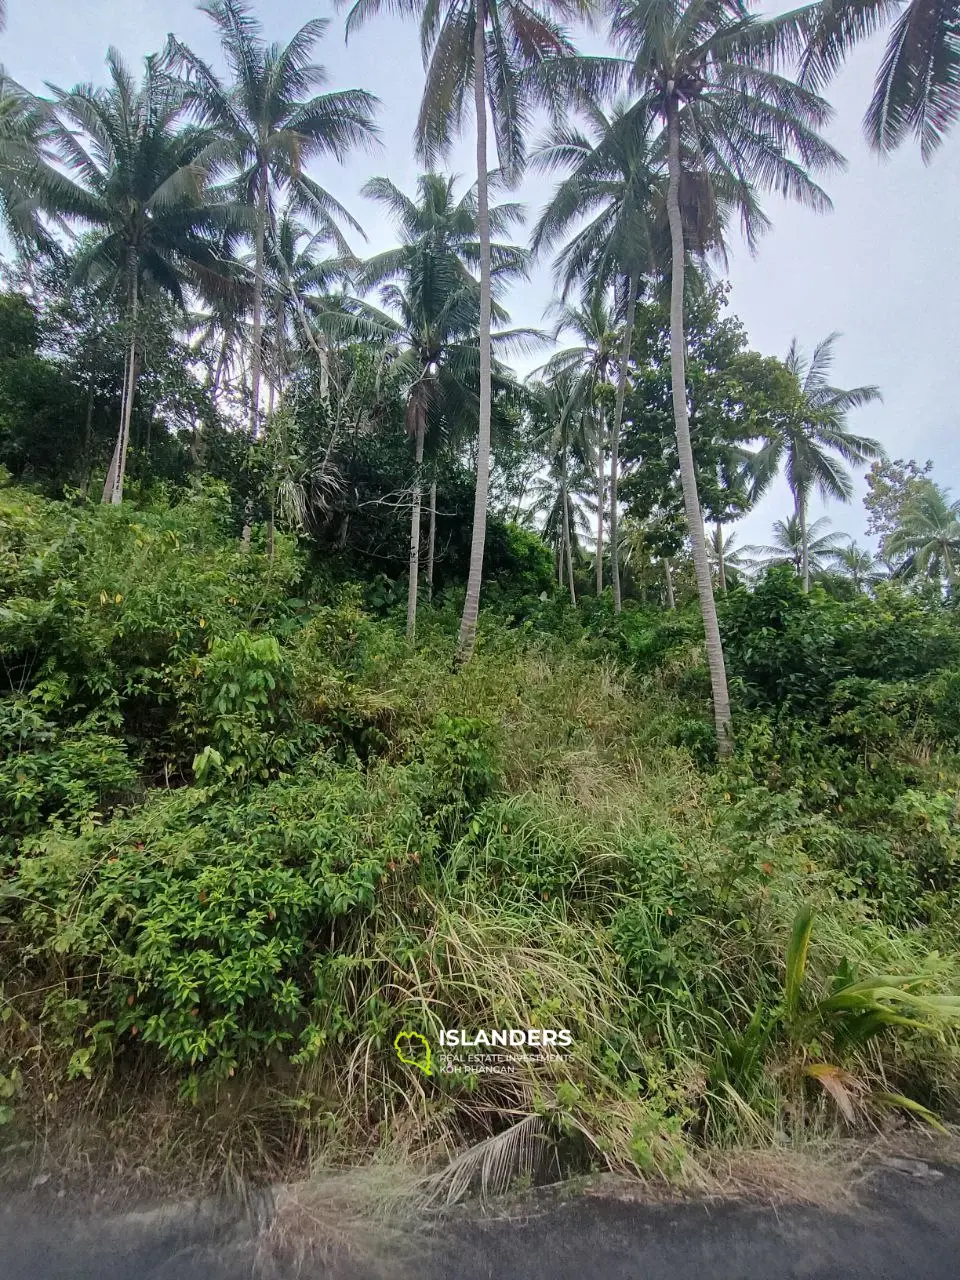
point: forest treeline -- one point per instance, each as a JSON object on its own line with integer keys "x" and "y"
{"x": 173, "y": 223}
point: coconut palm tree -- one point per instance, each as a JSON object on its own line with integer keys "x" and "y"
{"x": 303, "y": 309}
{"x": 23, "y": 159}
{"x": 303, "y": 293}
{"x": 563, "y": 522}
{"x": 218, "y": 336}
{"x": 732, "y": 563}
{"x": 858, "y": 564}
{"x": 493, "y": 47}
{"x": 272, "y": 123}
{"x": 917, "y": 87}
{"x": 615, "y": 197}
{"x": 927, "y": 543}
{"x": 589, "y": 365}
{"x": 433, "y": 315}
{"x": 133, "y": 177}
{"x": 613, "y": 181}
{"x": 813, "y": 431}
{"x": 565, "y": 439}
{"x": 733, "y": 126}
{"x": 795, "y": 545}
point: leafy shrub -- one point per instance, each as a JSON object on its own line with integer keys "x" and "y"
{"x": 458, "y": 765}
{"x": 518, "y": 560}
{"x": 789, "y": 649}
{"x": 47, "y": 772}
{"x": 210, "y": 919}
{"x": 342, "y": 658}
{"x": 852, "y": 708}
{"x": 645, "y": 638}
{"x": 246, "y": 712}
{"x": 103, "y": 606}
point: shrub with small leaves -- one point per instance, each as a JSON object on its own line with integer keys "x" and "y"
{"x": 211, "y": 920}
{"x": 48, "y": 772}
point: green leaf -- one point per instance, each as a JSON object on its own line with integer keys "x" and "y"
{"x": 797, "y": 951}
{"x": 908, "y": 1104}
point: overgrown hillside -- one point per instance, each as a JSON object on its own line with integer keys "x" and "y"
{"x": 250, "y": 836}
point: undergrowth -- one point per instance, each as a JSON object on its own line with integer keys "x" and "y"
{"x": 249, "y": 837}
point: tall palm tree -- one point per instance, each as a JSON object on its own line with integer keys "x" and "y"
{"x": 928, "y": 540}
{"x": 917, "y": 86}
{"x": 297, "y": 301}
{"x": 564, "y": 439}
{"x": 134, "y": 177}
{"x": 218, "y": 336}
{"x": 731, "y": 562}
{"x": 731, "y": 125}
{"x": 433, "y": 301}
{"x": 493, "y": 47}
{"x": 273, "y": 123}
{"x": 813, "y": 431}
{"x": 589, "y": 365}
{"x": 613, "y": 182}
{"x": 303, "y": 293}
{"x": 794, "y": 545}
{"x": 615, "y": 195}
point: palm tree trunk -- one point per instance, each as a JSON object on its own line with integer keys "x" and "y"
{"x": 431, "y": 538}
{"x": 87, "y": 440}
{"x": 520, "y": 497}
{"x": 800, "y": 506}
{"x": 323, "y": 356}
{"x": 413, "y": 583}
{"x": 688, "y": 475}
{"x": 567, "y": 546}
{"x": 218, "y": 373}
{"x": 272, "y": 491}
{"x": 632, "y": 283}
{"x": 113, "y": 489}
{"x": 601, "y": 494}
{"x": 256, "y": 355}
{"x": 668, "y": 578}
{"x": 471, "y": 605}
{"x": 721, "y": 567}
{"x": 111, "y": 477}
{"x": 147, "y": 436}
{"x": 951, "y": 576}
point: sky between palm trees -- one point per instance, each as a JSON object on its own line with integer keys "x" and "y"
{"x": 882, "y": 268}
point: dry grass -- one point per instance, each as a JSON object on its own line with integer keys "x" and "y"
{"x": 367, "y": 1216}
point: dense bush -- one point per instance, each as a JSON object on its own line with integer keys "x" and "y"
{"x": 49, "y": 772}
{"x": 250, "y": 836}
{"x": 790, "y": 650}
{"x": 214, "y": 915}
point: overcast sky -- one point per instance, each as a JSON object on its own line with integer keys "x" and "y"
{"x": 883, "y": 268}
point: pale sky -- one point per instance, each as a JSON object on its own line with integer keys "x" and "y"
{"x": 883, "y": 268}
